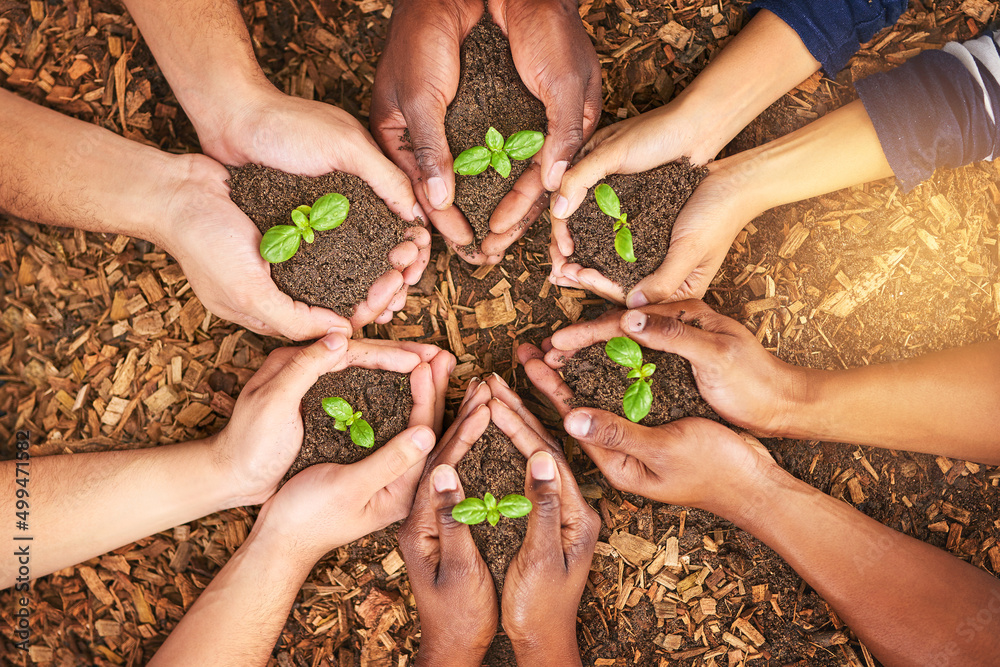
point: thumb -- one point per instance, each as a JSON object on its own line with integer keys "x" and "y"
{"x": 306, "y": 366}
{"x": 564, "y": 113}
{"x": 395, "y": 458}
{"x": 455, "y": 539}
{"x": 669, "y": 334}
{"x": 543, "y": 487}
{"x": 681, "y": 262}
{"x": 387, "y": 180}
{"x": 615, "y": 445}
{"x": 604, "y": 430}
{"x": 597, "y": 164}
{"x": 425, "y": 123}
{"x": 294, "y": 319}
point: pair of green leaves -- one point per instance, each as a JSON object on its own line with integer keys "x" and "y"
{"x": 608, "y": 202}
{"x": 346, "y": 418}
{"x": 497, "y": 152}
{"x": 638, "y": 397}
{"x": 281, "y": 242}
{"x": 473, "y": 510}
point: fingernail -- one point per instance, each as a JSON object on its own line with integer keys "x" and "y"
{"x": 445, "y": 479}
{"x": 423, "y": 438}
{"x": 543, "y": 467}
{"x": 636, "y": 300}
{"x": 504, "y": 383}
{"x": 334, "y": 339}
{"x": 636, "y": 321}
{"x": 560, "y": 206}
{"x": 578, "y": 424}
{"x": 419, "y": 212}
{"x": 556, "y": 172}
{"x": 437, "y": 192}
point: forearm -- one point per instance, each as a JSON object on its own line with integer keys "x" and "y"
{"x": 205, "y": 52}
{"x": 237, "y": 619}
{"x": 763, "y": 62}
{"x": 83, "y": 505}
{"x": 942, "y": 403}
{"x": 60, "y": 171}
{"x": 909, "y": 602}
{"x": 835, "y": 152}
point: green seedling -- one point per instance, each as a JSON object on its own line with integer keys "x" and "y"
{"x": 346, "y": 418}
{"x": 281, "y": 242}
{"x": 473, "y": 510}
{"x": 638, "y": 397}
{"x": 608, "y": 202}
{"x": 497, "y": 152}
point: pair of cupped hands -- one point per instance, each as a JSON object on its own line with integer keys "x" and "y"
{"x": 693, "y": 462}
{"x": 217, "y": 245}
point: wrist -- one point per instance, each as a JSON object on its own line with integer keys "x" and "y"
{"x": 229, "y": 128}
{"x": 809, "y": 413}
{"x": 192, "y": 183}
{"x": 560, "y": 650}
{"x": 703, "y": 121}
{"x": 762, "y": 495}
{"x": 436, "y": 651}
{"x": 298, "y": 549}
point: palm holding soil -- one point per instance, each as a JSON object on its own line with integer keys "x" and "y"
{"x": 692, "y": 461}
{"x": 425, "y": 37}
{"x": 744, "y": 384}
{"x": 311, "y": 138}
{"x": 702, "y": 233}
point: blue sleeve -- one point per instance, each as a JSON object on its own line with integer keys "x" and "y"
{"x": 939, "y": 109}
{"x": 833, "y": 30}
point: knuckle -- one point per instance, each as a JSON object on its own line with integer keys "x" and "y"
{"x": 612, "y": 433}
{"x": 396, "y": 462}
{"x": 591, "y": 526}
{"x": 547, "y": 504}
{"x": 572, "y": 136}
{"x": 426, "y": 157}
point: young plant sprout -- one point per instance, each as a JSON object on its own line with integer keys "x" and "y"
{"x": 638, "y": 397}
{"x": 346, "y": 418}
{"x": 497, "y": 152}
{"x": 473, "y": 510}
{"x": 608, "y": 202}
{"x": 281, "y": 242}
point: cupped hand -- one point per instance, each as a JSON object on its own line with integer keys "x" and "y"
{"x": 416, "y": 80}
{"x": 455, "y": 595}
{"x": 557, "y": 62}
{"x": 328, "y": 505}
{"x": 743, "y": 382}
{"x": 704, "y": 229}
{"x": 692, "y": 461}
{"x": 545, "y": 581}
{"x": 313, "y": 138}
{"x": 265, "y": 433}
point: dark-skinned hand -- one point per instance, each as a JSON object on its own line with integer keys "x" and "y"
{"x": 417, "y": 78}
{"x": 454, "y": 590}
{"x": 742, "y": 381}
{"x": 544, "y": 583}
{"x": 693, "y": 461}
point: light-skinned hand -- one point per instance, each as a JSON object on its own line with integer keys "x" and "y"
{"x": 265, "y": 433}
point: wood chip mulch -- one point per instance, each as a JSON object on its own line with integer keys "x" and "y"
{"x": 103, "y": 345}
